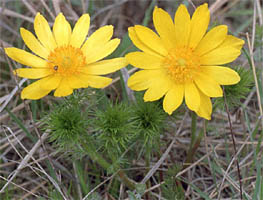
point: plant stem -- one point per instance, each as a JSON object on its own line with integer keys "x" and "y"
{"x": 128, "y": 182}
{"x": 193, "y": 128}
{"x": 195, "y": 141}
{"x": 95, "y": 156}
{"x": 148, "y": 158}
{"x": 192, "y": 150}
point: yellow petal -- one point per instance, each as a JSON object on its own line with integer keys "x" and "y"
{"x": 105, "y": 66}
{"x": 205, "y": 108}
{"x": 33, "y": 44}
{"x": 233, "y": 41}
{"x": 199, "y": 24}
{"x": 74, "y": 82}
{"x": 182, "y": 26}
{"x": 192, "y": 96}
{"x": 44, "y": 33}
{"x": 157, "y": 89}
{"x": 63, "y": 89}
{"x": 34, "y": 91}
{"x": 98, "y": 81}
{"x": 222, "y": 75}
{"x": 143, "y": 79}
{"x": 208, "y": 86}
{"x": 102, "y": 51}
{"x": 25, "y": 58}
{"x": 220, "y": 56}
{"x": 84, "y": 80}
{"x": 150, "y": 39}
{"x": 165, "y": 27}
{"x": 212, "y": 40}
{"x": 99, "y": 38}
{"x": 50, "y": 82}
{"x": 33, "y": 73}
{"x": 138, "y": 82}
{"x": 139, "y": 44}
{"x": 173, "y": 99}
{"x": 77, "y": 81}
{"x": 80, "y": 31}
{"x": 61, "y": 30}
{"x": 144, "y": 61}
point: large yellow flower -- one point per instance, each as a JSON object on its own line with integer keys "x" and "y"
{"x": 64, "y": 59}
{"x": 182, "y": 61}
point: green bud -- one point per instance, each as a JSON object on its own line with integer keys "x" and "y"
{"x": 149, "y": 118}
{"x": 114, "y": 127}
{"x": 68, "y": 122}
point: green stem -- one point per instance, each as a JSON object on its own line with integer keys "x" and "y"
{"x": 148, "y": 158}
{"x": 128, "y": 182}
{"x": 95, "y": 156}
{"x": 193, "y": 128}
{"x": 192, "y": 150}
{"x": 148, "y": 155}
{"x": 195, "y": 142}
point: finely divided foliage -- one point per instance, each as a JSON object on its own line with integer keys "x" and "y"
{"x": 115, "y": 143}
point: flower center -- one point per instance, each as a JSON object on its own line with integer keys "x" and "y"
{"x": 66, "y": 60}
{"x": 182, "y": 64}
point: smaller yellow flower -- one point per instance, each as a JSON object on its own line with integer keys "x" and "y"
{"x": 183, "y": 61}
{"x": 64, "y": 59}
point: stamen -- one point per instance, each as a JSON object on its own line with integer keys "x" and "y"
{"x": 182, "y": 64}
{"x": 66, "y": 60}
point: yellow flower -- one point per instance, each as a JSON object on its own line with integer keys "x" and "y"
{"x": 182, "y": 61}
{"x": 64, "y": 59}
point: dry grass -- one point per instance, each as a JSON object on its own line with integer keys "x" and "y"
{"x": 30, "y": 169}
